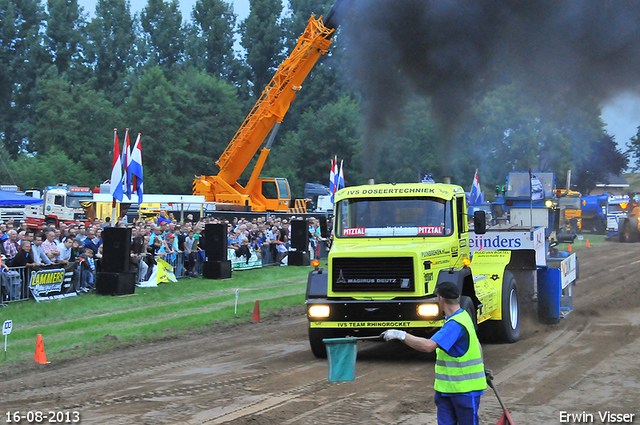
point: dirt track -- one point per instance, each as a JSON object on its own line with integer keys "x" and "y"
{"x": 264, "y": 373}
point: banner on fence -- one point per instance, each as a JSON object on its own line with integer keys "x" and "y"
{"x": 51, "y": 284}
{"x": 241, "y": 263}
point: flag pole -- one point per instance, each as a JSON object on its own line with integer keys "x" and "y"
{"x": 113, "y": 204}
{"x": 530, "y": 198}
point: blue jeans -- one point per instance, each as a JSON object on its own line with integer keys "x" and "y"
{"x": 457, "y": 409}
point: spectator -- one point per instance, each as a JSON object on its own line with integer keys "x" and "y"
{"x": 239, "y": 245}
{"x": 281, "y": 246}
{"x": 24, "y": 257}
{"x": 92, "y": 241}
{"x": 65, "y": 251}
{"x": 39, "y": 255}
{"x": 256, "y": 246}
{"x": 163, "y": 217}
{"x": 171, "y": 248}
{"x": 156, "y": 233}
{"x": 193, "y": 244}
{"x": 76, "y": 250}
{"x": 11, "y": 245}
{"x": 50, "y": 247}
{"x": 88, "y": 270}
{"x": 138, "y": 252}
{"x": 156, "y": 249}
{"x": 28, "y": 235}
{"x": 5, "y": 284}
{"x": 81, "y": 236}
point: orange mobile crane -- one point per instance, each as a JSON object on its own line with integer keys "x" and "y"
{"x": 266, "y": 194}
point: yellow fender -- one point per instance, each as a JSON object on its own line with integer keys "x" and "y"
{"x": 488, "y": 269}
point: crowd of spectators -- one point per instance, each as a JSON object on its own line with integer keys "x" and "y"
{"x": 266, "y": 237}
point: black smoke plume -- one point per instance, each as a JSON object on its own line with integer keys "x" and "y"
{"x": 452, "y": 50}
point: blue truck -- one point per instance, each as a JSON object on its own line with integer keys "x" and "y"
{"x": 602, "y": 213}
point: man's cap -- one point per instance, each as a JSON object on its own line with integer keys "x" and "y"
{"x": 170, "y": 236}
{"x": 447, "y": 290}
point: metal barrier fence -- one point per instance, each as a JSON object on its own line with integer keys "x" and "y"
{"x": 183, "y": 266}
{"x": 15, "y": 282}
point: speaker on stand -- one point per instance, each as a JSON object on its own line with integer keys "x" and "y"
{"x": 116, "y": 249}
{"x": 115, "y": 278}
{"x": 216, "y": 265}
{"x": 300, "y": 242}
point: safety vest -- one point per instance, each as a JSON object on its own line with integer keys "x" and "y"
{"x": 461, "y": 374}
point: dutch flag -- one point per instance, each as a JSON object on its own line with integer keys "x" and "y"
{"x": 134, "y": 169}
{"x": 116, "y": 171}
{"x": 476, "y": 197}
{"x": 126, "y": 160}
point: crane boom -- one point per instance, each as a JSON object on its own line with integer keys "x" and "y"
{"x": 265, "y": 117}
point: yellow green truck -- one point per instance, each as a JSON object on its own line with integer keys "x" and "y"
{"x": 394, "y": 242}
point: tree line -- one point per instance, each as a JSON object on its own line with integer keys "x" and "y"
{"x": 187, "y": 83}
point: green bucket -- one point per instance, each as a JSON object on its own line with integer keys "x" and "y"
{"x": 341, "y": 353}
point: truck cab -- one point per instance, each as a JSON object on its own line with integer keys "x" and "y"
{"x": 62, "y": 203}
{"x": 392, "y": 244}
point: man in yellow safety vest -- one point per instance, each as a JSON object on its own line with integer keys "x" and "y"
{"x": 460, "y": 378}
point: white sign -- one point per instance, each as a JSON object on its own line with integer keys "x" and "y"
{"x": 569, "y": 269}
{"x": 495, "y": 240}
{"x": 6, "y": 327}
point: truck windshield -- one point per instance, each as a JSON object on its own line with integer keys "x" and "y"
{"x": 394, "y": 217}
{"x": 519, "y": 186}
{"x": 615, "y": 208}
{"x": 73, "y": 201}
{"x": 569, "y": 203}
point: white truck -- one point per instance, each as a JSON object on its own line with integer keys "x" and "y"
{"x": 62, "y": 203}
{"x": 16, "y": 212}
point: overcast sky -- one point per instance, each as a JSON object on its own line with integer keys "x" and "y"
{"x": 240, "y": 7}
{"x": 622, "y": 116}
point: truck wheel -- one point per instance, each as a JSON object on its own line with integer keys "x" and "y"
{"x": 599, "y": 227}
{"x": 467, "y": 305}
{"x": 510, "y": 323}
{"x": 315, "y": 341}
{"x": 631, "y": 231}
{"x": 507, "y": 329}
{"x": 623, "y": 231}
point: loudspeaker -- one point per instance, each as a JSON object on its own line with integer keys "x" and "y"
{"x": 215, "y": 242}
{"x": 115, "y": 283}
{"x": 216, "y": 269}
{"x": 300, "y": 235}
{"x": 299, "y": 258}
{"x": 116, "y": 249}
{"x": 324, "y": 231}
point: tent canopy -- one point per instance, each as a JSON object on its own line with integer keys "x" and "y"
{"x": 12, "y": 198}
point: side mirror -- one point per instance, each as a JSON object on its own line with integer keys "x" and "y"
{"x": 480, "y": 222}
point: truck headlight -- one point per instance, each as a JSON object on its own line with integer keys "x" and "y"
{"x": 428, "y": 310}
{"x": 319, "y": 311}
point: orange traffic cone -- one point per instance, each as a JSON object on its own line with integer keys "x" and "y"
{"x": 40, "y": 357}
{"x": 256, "y": 312}
{"x": 588, "y": 244}
{"x": 569, "y": 247}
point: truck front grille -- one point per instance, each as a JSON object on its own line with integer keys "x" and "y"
{"x": 380, "y": 274}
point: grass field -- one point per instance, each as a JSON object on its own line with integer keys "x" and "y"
{"x": 581, "y": 241}
{"x": 75, "y": 326}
